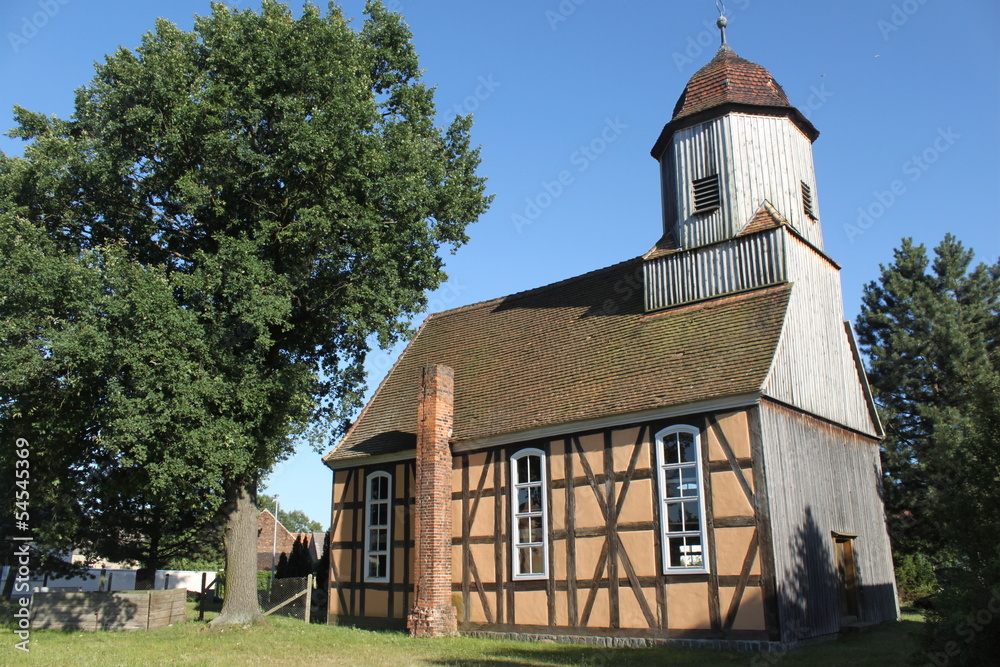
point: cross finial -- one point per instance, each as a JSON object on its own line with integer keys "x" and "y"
{"x": 722, "y": 22}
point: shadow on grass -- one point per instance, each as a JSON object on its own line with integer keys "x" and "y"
{"x": 887, "y": 645}
{"x": 598, "y": 657}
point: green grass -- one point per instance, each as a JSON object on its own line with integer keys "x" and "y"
{"x": 284, "y": 641}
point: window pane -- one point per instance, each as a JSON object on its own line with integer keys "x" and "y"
{"x": 524, "y": 560}
{"x": 670, "y": 449}
{"x": 692, "y": 519}
{"x": 689, "y": 481}
{"x": 534, "y": 469}
{"x": 523, "y": 531}
{"x": 536, "y": 560}
{"x": 522, "y": 500}
{"x": 379, "y": 488}
{"x": 675, "y": 521}
{"x": 377, "y": 539}
{"x": 373, "y": 568}
{"x": 674, "y": 551}
{"x": 692, "y": 556}
{"x": 522, "y": 469}
{"x": 673, "y": 483}
{"x": 536, "y": 529}
{"x": 535, "y": 499}
{"x": 687, "y": 447}
{"x": 383, "y": 562}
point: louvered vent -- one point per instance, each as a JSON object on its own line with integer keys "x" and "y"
{"x": 706, "y": 193}
{"x": 807, "y": 201}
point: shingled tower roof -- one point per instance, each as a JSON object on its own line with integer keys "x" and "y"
{"x": 730, "y": 83}
{"x": 727, "y": 78}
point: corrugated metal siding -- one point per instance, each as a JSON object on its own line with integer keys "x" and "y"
{"x": 814, "y": 367}
{"x": 821, "y": 479}
{"x": 734, "y": 266}
{"x": 757, "y": 158}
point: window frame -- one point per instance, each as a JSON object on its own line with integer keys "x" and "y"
{"x": 661, "y": 469}
{"x": 515, "y": 542}
{"x": 387, "y": 552}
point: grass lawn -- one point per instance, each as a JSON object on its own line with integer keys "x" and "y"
{"x": 284, "y": 641}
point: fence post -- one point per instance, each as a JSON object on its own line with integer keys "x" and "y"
{"x": 309, "y": 589}
{"x": 201, "y": 600}
{"x": 166, "y": 580}
{"x": 111, "y": 578}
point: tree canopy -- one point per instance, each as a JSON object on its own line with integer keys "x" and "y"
{"x": 295, "y": 521}
{"x": 195, "y": 262}
{"x": 931, "y": 331}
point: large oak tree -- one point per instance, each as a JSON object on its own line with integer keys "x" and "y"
{"x": 211, "y": 241}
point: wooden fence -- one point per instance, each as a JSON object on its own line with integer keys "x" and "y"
{"x": 133, "y": 610}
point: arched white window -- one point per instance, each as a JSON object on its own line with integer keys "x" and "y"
{"x": 682, "y": 500}
{"x": 378, "y": 528}
{"x": 528, "y": 514}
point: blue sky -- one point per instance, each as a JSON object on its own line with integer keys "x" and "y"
{"x": 905, "y": 93}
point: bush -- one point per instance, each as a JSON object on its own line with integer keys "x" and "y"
{"x": 915, "y": 579}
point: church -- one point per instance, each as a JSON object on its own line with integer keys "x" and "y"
{"x": 681, "y": 448}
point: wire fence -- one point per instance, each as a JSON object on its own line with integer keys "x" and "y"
{"x": 291, "y": 597}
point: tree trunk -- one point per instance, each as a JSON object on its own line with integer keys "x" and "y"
{"x": 240, "y": 605}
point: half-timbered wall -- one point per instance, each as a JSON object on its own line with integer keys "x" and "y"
{"x": 605, "y": 571}
{"x": 822, "y": 478}
{"x": 351, "y": 597}
{"x": 815, "y": 367}
{"x": 757, "y": 158}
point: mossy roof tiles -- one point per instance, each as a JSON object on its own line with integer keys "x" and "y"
{"x": 575, "y": 350}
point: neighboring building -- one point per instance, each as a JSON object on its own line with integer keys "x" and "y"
{"x": 680, "y": 447}
{"x": 272, "y": 542}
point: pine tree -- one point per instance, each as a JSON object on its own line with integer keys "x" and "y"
{"x": 930, "y": 332}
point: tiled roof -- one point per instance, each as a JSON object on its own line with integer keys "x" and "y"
{"x": 579, "y": 349}
{"x": 727, "y": 78}
{"x": 767, "y": 217}
{"x": 667, "y": 245}
{"x": 728, "y": 83}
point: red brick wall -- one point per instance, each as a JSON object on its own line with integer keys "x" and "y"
{"x": 266, "y": 540}
{"x": 433, "y": 613}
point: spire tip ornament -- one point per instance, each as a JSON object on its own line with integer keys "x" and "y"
{"x": 723, "y": 21}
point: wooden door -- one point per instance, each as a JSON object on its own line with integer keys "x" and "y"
{"x": 848, "y": 578}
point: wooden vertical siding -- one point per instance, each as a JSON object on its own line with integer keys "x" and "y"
{"x": 815, "y": 367}
{"x": 723, "y": 268}
{"x": 823, "y": 478}
{"x": 770, "y": 158}
{"x": 350, "y": 597}
{"x": 757, "y": 158}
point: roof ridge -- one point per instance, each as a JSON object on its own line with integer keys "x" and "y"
{"x": 528, "y": 292}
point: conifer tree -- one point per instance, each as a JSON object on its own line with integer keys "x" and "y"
{"x": 930, "y": 332}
